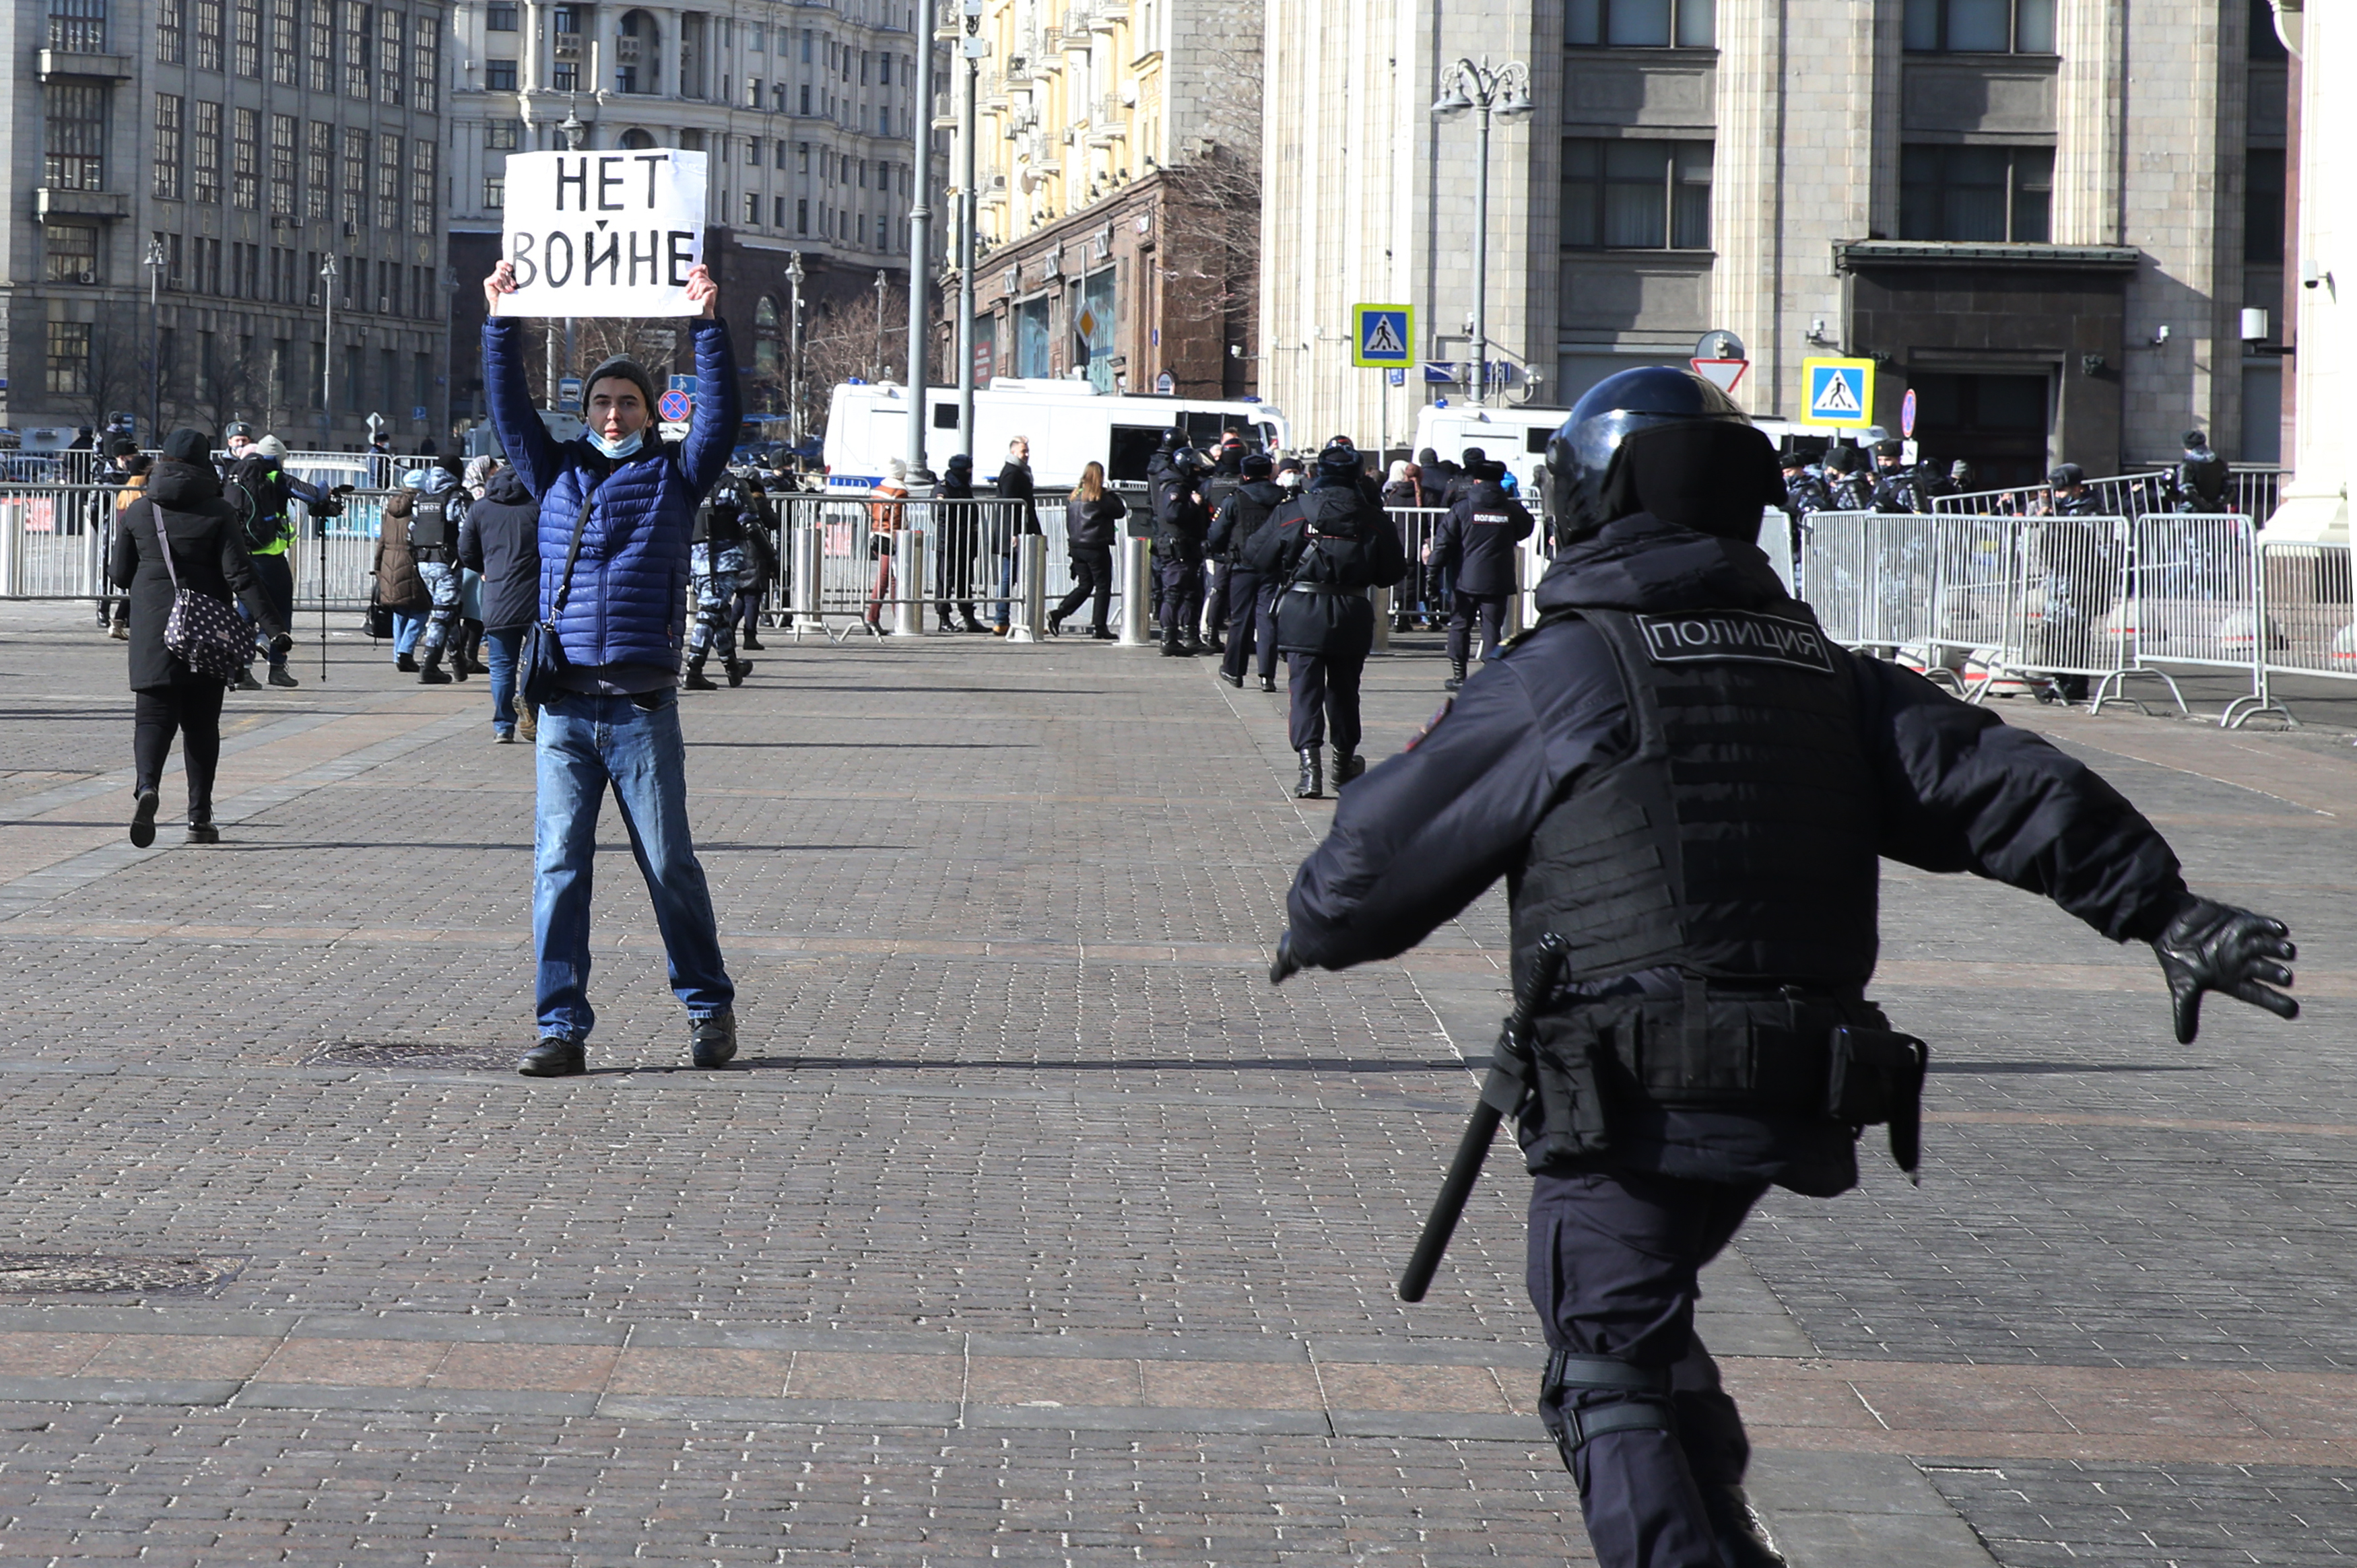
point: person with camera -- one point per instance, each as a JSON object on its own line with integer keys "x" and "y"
{"x": 182, "y": 537}
{"x": 617, "y": 506}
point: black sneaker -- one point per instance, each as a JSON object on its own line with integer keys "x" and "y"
{"x": 712, "y": 1041}
{"x": 203, "y": 832}
{"x": 555, "y": 1056}
{"x": 282, "y": 676}
{"x": 143, "y": 818}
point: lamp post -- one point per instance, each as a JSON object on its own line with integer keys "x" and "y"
{"x": 328, "y": 352}
{"x": 1504, "y": 91}
{"x": 921, "y": 244}
{"x": 154, "y": 265}
{"x": 973, "y": 48}
{"x": 794, "y": 275}
{"x": 875, "y": 356}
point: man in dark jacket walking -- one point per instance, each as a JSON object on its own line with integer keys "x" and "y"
{"x": 1014, "y": 484}
{"x": 1325, "y": 550}
{"x": 955, "y": 534}
{"x": 1180, "y": 526}
{"x": 1476, "y": 542}
{"x": 1251, "y": 616}
{"x": 617, "y": 505}
{"x": 501, "y": 538}
{"x": 1689, "y": 789}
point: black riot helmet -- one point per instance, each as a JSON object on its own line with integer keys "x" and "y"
{"x": 1662, "y": 441}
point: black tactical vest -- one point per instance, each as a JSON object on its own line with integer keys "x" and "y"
{"x": 720, "y": 520}
{"x": 1737, "y": 844}
{"x": 1336, "y": 559}
{"x": 429, "y": 523}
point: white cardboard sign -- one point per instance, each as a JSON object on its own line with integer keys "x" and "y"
{"x": 603, "y": 234}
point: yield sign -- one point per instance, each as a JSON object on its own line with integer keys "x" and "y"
{"x": 1721, "y": 373}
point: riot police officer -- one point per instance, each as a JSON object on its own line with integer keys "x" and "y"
{"x": 1850, "y": 488}
{"x": 1251, "y": 616}
{"x": 1804, "y": 488}
{"x": 1180, "y": 526}
{"x": 1226, "y": 478}
{"x": 2200, "y": 476}
{"x": 2081, "y": 563}
{"x": 1707, "y": 1034}
{"x": 1325, "y": 550}
{"x": 717, "y": 562}
{"x": 1896, "y": 489}
{"x": 1476, "y": 542}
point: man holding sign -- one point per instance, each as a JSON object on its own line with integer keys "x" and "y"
{"x": 617, "y": 511}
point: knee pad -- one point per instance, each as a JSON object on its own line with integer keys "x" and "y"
{"x": 1645, "y": 1407}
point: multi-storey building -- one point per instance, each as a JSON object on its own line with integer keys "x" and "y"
{"x": 207, "y": 155}
{"x": 1118, "y": 187}
{"x": 2045, "y": 222}
{"x": 806, "y": 111}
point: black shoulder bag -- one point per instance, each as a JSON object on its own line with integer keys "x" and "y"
{"x": 542, "y": 655}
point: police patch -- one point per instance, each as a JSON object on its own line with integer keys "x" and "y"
{"x": 1743, "y": 635}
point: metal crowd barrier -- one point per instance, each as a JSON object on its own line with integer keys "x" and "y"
{"x": 846, "y": 568}
{"x": 2309, "y": 619}
{"x": 2252, "y": 489}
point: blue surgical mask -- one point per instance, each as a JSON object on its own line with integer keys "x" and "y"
{"x": 622, "y": 448}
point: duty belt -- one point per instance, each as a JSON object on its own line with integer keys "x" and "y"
{"x": 1333, "y": 588}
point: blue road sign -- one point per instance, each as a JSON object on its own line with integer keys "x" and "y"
{"x": 1381, "y": 334}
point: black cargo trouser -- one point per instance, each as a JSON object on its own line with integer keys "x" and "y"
{"x": 1240, "y": 588}
{"x": 1324, "y": 688}
{"x": 1491, "y": 609}
{"x": 1182, "y": 609}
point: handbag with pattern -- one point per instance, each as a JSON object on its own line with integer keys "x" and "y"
{"x": 201, "y": 632}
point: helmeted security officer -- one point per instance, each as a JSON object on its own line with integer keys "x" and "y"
{"x": 1180, "y": 527}
{"x": 1226, "y": 478}
{"x": 1476, "y": 542}
{"x": 2080, "y": 563}
{"x": 1896, "y": 488}
{"x": 1325, "y": 549}
{"x": 1251, "y": 614}
{"x": 2200, "y": 476}
{"x": 1804, "y": 488}
{"x": 1851, "y": 490}
{"x": 435, "y": 516}
{"x": 1688, "y": 787}
{"x": 718, "y": 564}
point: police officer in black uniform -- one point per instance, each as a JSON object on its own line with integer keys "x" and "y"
{"x": 1896, "y": 488}
{"x": 1226, "y": 478}
{"x": 1850, "y": 488}
{"x": 1688, "y": 788}
{"x": 1250, "y": 625}
{"x": 2200, "y": 476}
{"x": 1476, "y": 542}
{"x": 1180, "y": 527}
{"x": 1324, "y": 550}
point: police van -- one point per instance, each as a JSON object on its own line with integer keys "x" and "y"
{"x": 1069, "y": 423}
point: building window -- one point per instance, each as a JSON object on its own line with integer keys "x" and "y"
{"x": 69, "y": 357}
{"x": 166, "y": 185}
{"x": 75, "y": 150}
{"x": 208, "y": 35}
{"x": 1641, "y": 24}
{"x": 282, "y": 164}
{"x": 388, "y": 56}
{"x": 753, "y": 151}
{"x": 782, "y": 160}
{"x": 421, "y": 189}
{"x": 319, "y": 48}
{"x": 495, "y": 191}
{"x": 355, "y": 49}
{"x": 245, "y": 159}
{"x": 355, "y": 394}
{"x": 318, "y": 170}
{"x": 802, "y": 216}
{"x": 248, "y": 17}
{"x": 205, "y": 272}
{"x": 565, "y": 78}
{"x": 805, "y": 109}
{"x": 752, "y": 210}
{"x": 2263, "y": 206}
{"x": 388, "y": 183}
{"x": 690, "y": 140}
{"x": 1638, "y": 195}
{"x": 424, "y": 60}
{"x": 69, "y": 252}
{"x": 171, "y": 32}
{"x": 1980, "y": 27}
{"x": 171, "y": 244}
{"x": 1975, "y": 195}
{"x": 356, "y": 170}
{"x": 499, "y": 19}
{"x": 77, "y": 27}
{"x": 499, "y": 76}
{"x": 502, "y": 136}
{"x": 284, "y": 24}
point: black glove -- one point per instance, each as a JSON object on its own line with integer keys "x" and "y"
{"x": 281, "y": 643}
{"x": 2216, "y": 946}
{"x": 1283, "y": 964}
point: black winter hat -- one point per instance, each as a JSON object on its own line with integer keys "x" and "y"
{"x": 623, "y": 368}
{"x": 186, "y": 446}
{"x": 1257, "y": 466}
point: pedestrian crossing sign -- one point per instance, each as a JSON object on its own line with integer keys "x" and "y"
{"x": 1381, "y": 335}
{"x": 1840, "y": 392}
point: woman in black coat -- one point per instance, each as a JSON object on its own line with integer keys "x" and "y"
{"x": 1092, "y": 525}
{"x": 501, "y": 538}
{"x": 183, "y": 502}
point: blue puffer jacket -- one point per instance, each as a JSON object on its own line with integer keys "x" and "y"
{"x": 629, "y": 604}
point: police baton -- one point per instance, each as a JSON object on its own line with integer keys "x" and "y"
{"x": 1502, "y": 1092}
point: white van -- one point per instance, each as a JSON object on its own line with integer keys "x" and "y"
{"x": 1069, "y": 424}
{"x": 1518, "y": 436}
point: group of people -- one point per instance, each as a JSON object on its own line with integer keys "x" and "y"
{"x": 967, "y": 551}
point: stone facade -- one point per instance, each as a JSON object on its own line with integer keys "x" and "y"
{"x": 241, "y": 142}
{"x": 1851, "y": 207}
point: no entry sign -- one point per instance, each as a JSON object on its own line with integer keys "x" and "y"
{"x": 603, "y": 234}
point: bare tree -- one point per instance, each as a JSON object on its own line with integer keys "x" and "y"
{"x": 847, "y": 338}
{"x": 117, "y": 377}
{"x": 1211, "y": 225}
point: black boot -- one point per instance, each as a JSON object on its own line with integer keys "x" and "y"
{"x": 751, "y": 643}
{"x": 431, "y": 673}
{"x": 1268, "y": 683}
{"x": 1347, "y": 768}
{"x": 1311, "y": 786}
{"x": 1172, "y": 648}
{"x": 737, "y": 670}
{"x": 555, "y": 1056}
{"x": 1743, "y": 1540}
{"x": 1456, "y": 675}
{"x": 470, "y": 649}
{"x": 142, "y": 818}
{"x": 696, "y": 679}
{"x": 406, "y": 663}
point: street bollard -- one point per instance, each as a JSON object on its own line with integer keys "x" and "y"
{"x": 1136, "y": 592}
{"x": 808, "y": 561}
{"x": 909, "y": 579}
{"x": 1028, "y": 612}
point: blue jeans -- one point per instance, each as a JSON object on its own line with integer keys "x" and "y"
{"x": 504, "y": 643}
{"x": 585, "y": 743}
{"x": 406, "y": 630}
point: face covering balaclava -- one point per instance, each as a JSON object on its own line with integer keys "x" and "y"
{"x": 622, "y": 449}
